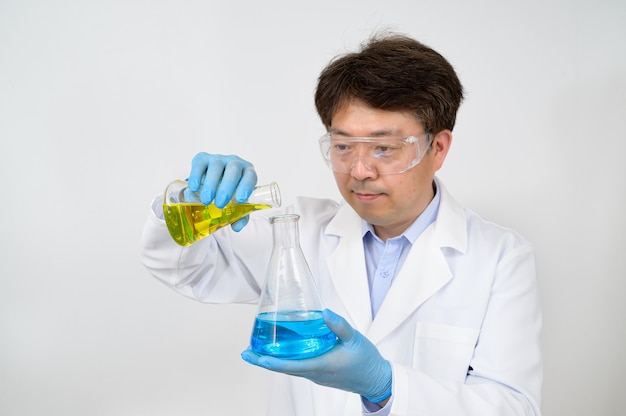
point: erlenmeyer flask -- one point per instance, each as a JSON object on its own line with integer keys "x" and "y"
{"x": 289, "y": 321}
{"x": 189, "y": 220}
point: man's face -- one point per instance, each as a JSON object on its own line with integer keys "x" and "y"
{"x": 389, "y": 202}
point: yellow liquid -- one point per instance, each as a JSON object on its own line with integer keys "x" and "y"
{"x": 188, "y": 223}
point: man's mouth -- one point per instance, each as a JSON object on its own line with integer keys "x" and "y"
{"x": 366, "y": 195}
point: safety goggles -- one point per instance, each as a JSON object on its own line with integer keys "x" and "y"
{"x": 386, "y": 156}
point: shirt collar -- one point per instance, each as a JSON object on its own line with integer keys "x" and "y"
{"x": 427, "y": 217}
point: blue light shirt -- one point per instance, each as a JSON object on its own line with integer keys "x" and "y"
{"x": 383, "y": 259}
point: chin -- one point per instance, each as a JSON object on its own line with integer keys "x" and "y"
{"x": 370, "y": 216}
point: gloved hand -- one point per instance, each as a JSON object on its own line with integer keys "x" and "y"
{"x": 218, "y": 177}
{"x": 354, "y": 364}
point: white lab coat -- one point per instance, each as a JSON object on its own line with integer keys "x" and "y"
{"x": 460, "y": 324}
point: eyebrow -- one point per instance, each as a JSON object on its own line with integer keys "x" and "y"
{"x": 375, "y": 133}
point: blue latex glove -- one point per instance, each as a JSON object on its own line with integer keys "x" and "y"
{"x": 352, "y": 365}
{"x": 219, "y": 177}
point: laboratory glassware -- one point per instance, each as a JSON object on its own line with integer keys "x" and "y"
{"x": 289, "y": 322}
{"x": 189, "y": 220}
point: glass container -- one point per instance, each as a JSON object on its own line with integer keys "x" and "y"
{"x": 189, "y": 220}
{"x": 289, "y": 321}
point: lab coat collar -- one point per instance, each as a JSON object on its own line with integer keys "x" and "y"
{"x": 424, "y": 272}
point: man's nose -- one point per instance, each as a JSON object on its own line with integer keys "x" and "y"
{"x": 361, "y": 169}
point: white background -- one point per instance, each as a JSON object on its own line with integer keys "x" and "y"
{"x": 102, "y": 103}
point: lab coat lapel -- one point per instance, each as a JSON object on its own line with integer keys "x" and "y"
{"x": 347, "y": 267}
{"x": 423, "y": 273}
{"x": 425, "y": 269}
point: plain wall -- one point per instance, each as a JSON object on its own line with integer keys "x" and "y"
{"x": 102, "y": 103}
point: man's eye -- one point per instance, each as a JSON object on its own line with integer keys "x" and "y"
{"x": 385, "y": 149}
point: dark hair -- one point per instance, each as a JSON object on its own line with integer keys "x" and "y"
{"x": 395, "y": 73}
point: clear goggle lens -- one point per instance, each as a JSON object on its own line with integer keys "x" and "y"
{"x": 384, "y": 155}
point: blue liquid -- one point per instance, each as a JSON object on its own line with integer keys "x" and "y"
{"x": 292, "y": 335}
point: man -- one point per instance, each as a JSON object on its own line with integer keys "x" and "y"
{"x": 436, "y": 309}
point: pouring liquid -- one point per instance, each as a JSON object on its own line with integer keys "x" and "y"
{"x": 188, "y": 223}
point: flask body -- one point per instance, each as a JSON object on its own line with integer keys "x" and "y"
{"x": 289, "y": 322}
{"x": 188, "y": 220}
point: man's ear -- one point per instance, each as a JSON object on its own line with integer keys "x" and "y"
{"x": 440, "y": 146}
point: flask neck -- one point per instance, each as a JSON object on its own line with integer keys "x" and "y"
{"x": 285, "y": 229}
{"x": 266, "y": 195}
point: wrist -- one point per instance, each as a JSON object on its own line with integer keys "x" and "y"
{"x": 381, "y": 399}
{"x": 383, "y": 393}
{"x": 384, "y": 402}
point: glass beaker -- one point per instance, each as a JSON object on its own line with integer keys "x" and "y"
{"x": 189, "y": 220}
{"x": 289, "y": 321}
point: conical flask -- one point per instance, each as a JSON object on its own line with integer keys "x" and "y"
{"x": 189, "y": 220}
{"x": 289, "y": 321}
